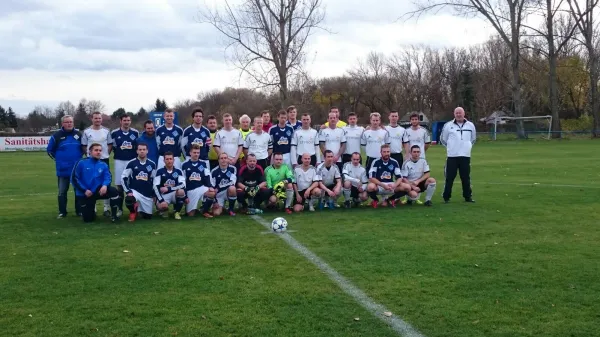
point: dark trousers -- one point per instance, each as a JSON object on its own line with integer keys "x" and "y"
{"x": 262, "y": 195}
{"x": 398, "y": 157}
{"x": 87, "y": 205}
{"x": 370, "y": 161}
{"x": 346, "y": 157}
{"x": 263, "y": 163}
{"x": 63, "y": 189}
{"x": 462, "y": 165}
{"x": 213, "y": 163}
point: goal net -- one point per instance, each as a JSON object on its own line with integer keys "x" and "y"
{"x": 534, "y": 127}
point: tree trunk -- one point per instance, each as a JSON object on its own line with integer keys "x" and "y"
{"x": 552, "y": 76}
{"x": 516, "y": 79}
{"x": 283, "y": 89}
{"x": 594, "y": 100}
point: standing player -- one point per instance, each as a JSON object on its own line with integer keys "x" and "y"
{"x": 355, "y": 181}
{"x": 138, "y": 183}
{"x": 98, "y": 134}
{"x": 259, "y": 144}
{"x": 266, "y": 117}
{"x": 306, "y": 185}
{"x": 196, "y": 134}
{"x": 169, "y": 187}
{"x": 385, "y": 178}
{"x": 198, "y": 184}
{"x": 333, "y": 139}
{"x": 91, "y": 180}
{"x": 148, "y": 137}
{"x": 168, "y": 139}
{"x": 279, "y": 179}
{"x": 306, "y": 140}
{"x": 398, "y": 138}
{"x": 281, "y": 138}
{"x": 213, "y": 157}
{"x": 418, "y": 135}
{"x": 331, "y": 180}
{"x": 229, "y": 141}
{"x": 251, "y": 183}
{"x": 223, "y": 179}
{"x": 124, "y": 141}
{"x": 245, "y": 130}
{"x": 291, "y": 117}
{"x": 373, "y": 138}
{"x": 353, "y": 134}
{"x": 416, "y": 171}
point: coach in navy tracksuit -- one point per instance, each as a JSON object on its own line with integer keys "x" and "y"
{"x": 64, "y": 148}
{"x": 148, "y": 137}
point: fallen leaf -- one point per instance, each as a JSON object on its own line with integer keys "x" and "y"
{"x": 156, "y": 233}
{"x": 495, "y": 243}
{"x": 203, "y": 317}
{"x": 498, "y": 210}
{"x": 476, "y": 265}
{"x": 54, "y": 232}
{"x": 387, "y": 314}
{"x": 30, "y": 315}
{"x": 476, "y": 321}
{"x": 125, "y": 251}
{"x": 357, "y": 318}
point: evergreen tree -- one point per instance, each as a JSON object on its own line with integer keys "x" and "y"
{"x": 164, "y": 105}
{"x": 157, "y": 105}
{"x": 81, "y": 117}
{"x": 3, "y": 117}
{"x": 116, "y": 115}
{"x": 11, "y": 118}
{"x": 467, "y": 91}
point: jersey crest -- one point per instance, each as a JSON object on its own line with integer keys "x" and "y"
{"x": 127, "y": 145}
{"x": 169, "y": 183}
{"x": 142, "y": 176}
{"x": 195, "y": 176}
{"x": 198, "y": 141}
{"x": 169, "y": 140}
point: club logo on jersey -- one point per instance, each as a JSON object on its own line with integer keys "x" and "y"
{"x": 142, "y": 176}
{"x": 76, "y": 136}
{"x": 169, "y": 141}
{"x": 197, "y": 141}
{"x": 202, "y": 134}
{"x": 288, "y": 133}
{"x": 195, "y": 177}
{"x": 175, "y": 175}
{"x": 175, "y": 134}
{"x": 391, "y": 167}
{"x": 99, "y": 170}
{"x": 169, "y": 183}
{"x": 228, "y": 174}
{"x": 149, "y": 168}
{"x": 132, "y": 137}
{"x": 283, "y": 141}
{"x": 126, "y": 146}
{"x": 224, "y": 182}
{"x": 386, "y": 175}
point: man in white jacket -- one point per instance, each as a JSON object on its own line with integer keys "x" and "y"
{"x": 458, "y": 136}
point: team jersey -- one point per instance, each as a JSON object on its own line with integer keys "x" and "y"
{"x": 196, "y": 174}
{"x": 353, "y": 134}
{"x": 414, "y": 170}
{"x": 385, "y": 171}
{"x": 124, "y": 143}
{"x": 229, "y": 141}
{"x": 139, "y": 176}
{"x": 397, "y": 138}
{"x": 172, "y": 180}
{"x": 199, "y": 136}
{"x": 223, "y": 178}
{"x": 245, "y": 134}
{"x": 212, "y": 154}
{"x": 274, "y": 175}
{"x": 357, "y": 175}
{"x": 339, "y": 124}
{"x": 100, "y": 136}
{"x": 258, "y": 144}
{"x": 251, "y": 178}
{"x": 297, "y": 125}
{"x": 329, "y": 175}
{"x": 305, "y": 141}
{"x": 333, "y": 139}
{"x": 281, "y": 138}
{"x": 305, "y": 178}
{"x": 372, "y": 141}
{"x": 418, "y": 137}
{"x": 169, "y": 140}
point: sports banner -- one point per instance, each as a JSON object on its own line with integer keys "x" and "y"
{"x": 27, "y": 143}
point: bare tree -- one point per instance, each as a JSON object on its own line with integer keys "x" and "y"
{"x": 588, "y": 29}
{"x": 507, "y": 17}
{"x": 95, "y": 106}
{"x": 267, "y": 38}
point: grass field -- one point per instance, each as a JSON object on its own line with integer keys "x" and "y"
{"x": 522, "y": 261}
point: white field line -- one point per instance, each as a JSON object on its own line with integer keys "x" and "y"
{"x": 27, "y": 195}
{"x": 396, "y": 323}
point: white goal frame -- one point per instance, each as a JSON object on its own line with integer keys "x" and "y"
{"x": 498, "y": 119}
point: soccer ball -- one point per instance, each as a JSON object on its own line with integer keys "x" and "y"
{"x": 279, "y": 225}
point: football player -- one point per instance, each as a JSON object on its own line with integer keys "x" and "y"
{"x": 196, "y": 133}
{"x": 281, "y": 138}
{"x": 259, "y": 144}
{"x": 223, "y": 179}
{"x": 168, "y": 139}
{"x": 334, "y": 139}
{"x": 305, "y": 140}
{"x": 416, "y": 171}
{"x": 385, "y": 178}
{"x": 251, "y": 183}
{"x": 229, "y": 141}
{"x": 279, "y": 179}
{"x": 353, "y": 135}
{"x": 169, "y": 187}
{"x": 124, "y": 141}
{"x": 306, "y": 185}
{"x": 198, "y": 184}
{"x": 138, "y": 184}
{"x": 331, "y": 180}
{"x": 355, "y": 181}
{"x": 398, "y": 138}
{"x": 373, "y": 138}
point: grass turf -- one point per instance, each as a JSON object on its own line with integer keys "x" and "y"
{"x": 522, "y": 261}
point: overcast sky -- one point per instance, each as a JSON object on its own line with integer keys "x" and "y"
{"x": 127, "y": 53}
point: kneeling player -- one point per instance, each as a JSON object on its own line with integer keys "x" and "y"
{"x": 385, "y": 178}
{"x": 416, "y": 171}
{"x": 169, "y": 186}
{"x": 279, "y": 181}
{"x": 306, "y": 186}
{"x": 355, "y": 181}
{"x": 138, "y": 184}
{"x": 223, "y": 179}
{"x": 331, "y": 180}
{"x": 198, "y": 184}
{"x": 251, "y": 184}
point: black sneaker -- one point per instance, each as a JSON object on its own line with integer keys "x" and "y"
{"x": 428, "y": 203}
{"x": 347, "y": 204}
{"x": 470, "y": 200}
{"x": 446, "y": 201}
{"x": 114, "y": 219}
{"x": 409, "y": 202}
{"x": 106, "y": 213}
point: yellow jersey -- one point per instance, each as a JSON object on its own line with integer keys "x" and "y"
{"x": 244, "y": 134}
{"x": 340, "y": 124}
{"x": 212, "y": 154}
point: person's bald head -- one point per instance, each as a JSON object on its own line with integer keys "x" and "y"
{"x": 459, "y": 114}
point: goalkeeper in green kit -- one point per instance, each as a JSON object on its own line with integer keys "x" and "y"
{"x": 279, "y": 179}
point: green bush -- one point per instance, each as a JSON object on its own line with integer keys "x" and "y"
{"x": 583, "y": 123}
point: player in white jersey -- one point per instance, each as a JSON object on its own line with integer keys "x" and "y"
{"x": 353, "y": 134}
{"x": 306, "y": 185}
{"x": 259, "y": 143}
{"x": 398, "y": 140}
{"x": 331, "y": 180}
{"x": 355, "y": 181}
{"x": 334, "y": 139}
{"x": 418, "y": 135}
{"x": 373, "y": 138}
{"x": 306, "y": 140}
{"x": 229, "y": 140}
{"x": 98, "y": 134}
{"x": 416, "y": 173}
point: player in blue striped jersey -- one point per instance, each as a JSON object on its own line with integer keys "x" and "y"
{"x": 138, "y": 183}
{"x": 198, "y": 184}
{"x": 124, "y": 141}
{"x": 385, "y": 178}
{"x": 168, "y": 139}
{"x": 292, "y": 121}
{"x": 281, "y": 137}
{"x": 169, "y": 187}
{"x": 224, "y": 178}
{"x": 196, "y": 134}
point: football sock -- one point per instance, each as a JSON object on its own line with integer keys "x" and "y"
{"x": 121, "y": 197}
{"x": 179, "y": 202}
{"x": 311, "y": 201}
{"x": 232, "y": 203}
{"x": 289, "y": 197}
{"x": 207, "y": 204}
{"x": 373, "y": 196}
{"x": 397, "y": 195}
{"x": 130, "y": 203}
{"x": 114, "y": 205}
{"x": 429, "y": 191}
{"x": 346, "y": 194}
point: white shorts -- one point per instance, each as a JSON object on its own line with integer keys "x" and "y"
{"x": 161, "y": 163}
{"x": 194, "y": 196}
{"x": 119, "y": 168}
{"x": 383, "y": 191}
{"x": 144, "y": 203}
{"x": 169, "y": 198}
{"x": 221, "y": 197}
{"x": 205, "y": 161}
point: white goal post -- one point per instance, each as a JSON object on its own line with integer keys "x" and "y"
{"x": 498, "y": 120}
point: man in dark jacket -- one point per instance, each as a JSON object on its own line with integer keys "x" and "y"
{"x": 148, "y": 137}
{"x": 64, "y": 148}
